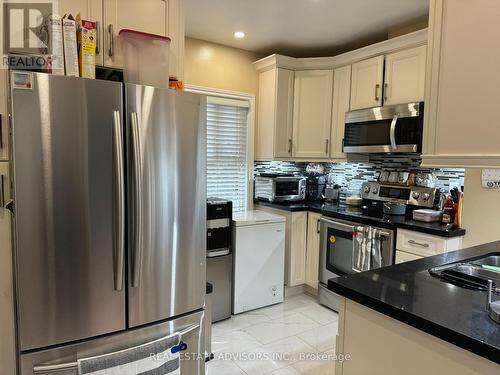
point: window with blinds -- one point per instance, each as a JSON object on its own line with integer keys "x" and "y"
{"x": 227, "y": 151}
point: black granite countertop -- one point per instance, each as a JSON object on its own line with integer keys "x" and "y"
{"x": 344, "y": 212}
{"x": 408, "y": 293}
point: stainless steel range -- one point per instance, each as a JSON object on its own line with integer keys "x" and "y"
{"x": 339, "y": 235}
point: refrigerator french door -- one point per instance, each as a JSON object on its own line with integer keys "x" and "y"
{"x": 109, "y": 218}
{"x": 67, "y": 210}
{"x": 166, "y": 201}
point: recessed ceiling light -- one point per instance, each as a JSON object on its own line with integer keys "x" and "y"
{"x": 239, "y": 34}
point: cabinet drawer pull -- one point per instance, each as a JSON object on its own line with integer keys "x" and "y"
{"x": 386, "y": 90}
{"x": 412, "y": 242}
{"x": 377, "y": 87}
{"x": 327, "y": 146}
{"x": 290, "y": 146}
{"x": 318, "y": 226}
{"x": 111, "y": 49}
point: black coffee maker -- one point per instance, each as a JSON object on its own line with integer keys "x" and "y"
{"x": 316, "y": 184}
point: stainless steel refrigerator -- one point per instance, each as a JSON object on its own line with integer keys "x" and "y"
{"x": 109, "y": 218}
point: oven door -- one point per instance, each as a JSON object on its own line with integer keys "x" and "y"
{"x": 337, "y": 248}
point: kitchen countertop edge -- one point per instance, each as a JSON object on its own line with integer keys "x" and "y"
{"x": 463, "y": 341}
{"x": 421, "y": 227}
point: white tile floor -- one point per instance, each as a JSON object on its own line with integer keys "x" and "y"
{"x": 276, "y": 340}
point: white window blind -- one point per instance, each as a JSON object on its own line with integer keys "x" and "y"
{"x": 227, "y": 151}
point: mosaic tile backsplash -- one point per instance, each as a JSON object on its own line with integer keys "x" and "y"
{"x": 350, "y": 175}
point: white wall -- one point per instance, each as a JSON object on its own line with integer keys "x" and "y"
{"x": 481, "y": 215}
{"x": 216, "y": 66}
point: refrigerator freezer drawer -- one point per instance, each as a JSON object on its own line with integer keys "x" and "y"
{"x": 64, "y": 358}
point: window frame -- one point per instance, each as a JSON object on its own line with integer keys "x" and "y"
{"x": 241, "y": 96}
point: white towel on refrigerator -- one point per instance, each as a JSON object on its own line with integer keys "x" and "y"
{"x": 154, "y": 358}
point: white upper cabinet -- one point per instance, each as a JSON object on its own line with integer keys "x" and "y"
{"x": 312, "y": 113}
{"x": 341, "y": 101}
{"x": 366, "y": 83}
{"x": 404, "y": 79}
{"x": 461, "y": 123}
{"x": 274, "y": 119}
{"x": 284, "y": 114}
{"x": 89, "y": 10}
{"x": 149, "y": 16}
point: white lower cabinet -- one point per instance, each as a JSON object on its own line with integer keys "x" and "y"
{"x": 411, "y": 245}
{"x": 402, "y": 256}
{"x": 313, "y": 245}
{"x": 295, "y": 244}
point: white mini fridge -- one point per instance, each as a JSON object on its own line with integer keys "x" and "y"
{"x": 259, "y": 260}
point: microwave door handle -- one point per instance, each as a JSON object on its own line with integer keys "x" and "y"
{"x": 394, "y": 122}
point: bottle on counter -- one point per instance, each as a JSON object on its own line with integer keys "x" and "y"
{"x": 448, "y": 210}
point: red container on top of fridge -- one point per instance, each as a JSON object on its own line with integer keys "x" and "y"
{"x": 145, "y": 58}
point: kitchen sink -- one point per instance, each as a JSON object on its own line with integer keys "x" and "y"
{"x": 472, "y": 273}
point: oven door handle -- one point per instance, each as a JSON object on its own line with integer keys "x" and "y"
{"x": 350, "y": 228}
{"x": 339, "y": 226}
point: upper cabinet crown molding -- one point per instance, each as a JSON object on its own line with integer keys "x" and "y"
{"x": 415, "y": 39}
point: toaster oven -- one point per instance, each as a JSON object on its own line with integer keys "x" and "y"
{"x": 280, "y": 188}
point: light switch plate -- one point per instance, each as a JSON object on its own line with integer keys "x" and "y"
{"x": 491, "y": 178}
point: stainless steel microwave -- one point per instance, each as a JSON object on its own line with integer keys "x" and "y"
{"x": 280, "y": 188}
{"x": 388, "y": 129}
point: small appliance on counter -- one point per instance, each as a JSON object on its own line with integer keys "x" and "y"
{"x": 332, "y": 192}
{"x": 219, "y": 256}
{"x": 276, "y": 187}
{"x": 316, "y": 184}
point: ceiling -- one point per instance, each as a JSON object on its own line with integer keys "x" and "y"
{"x": 300, "y": 27}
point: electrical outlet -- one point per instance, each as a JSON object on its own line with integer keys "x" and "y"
{"x": 490, "y": 178}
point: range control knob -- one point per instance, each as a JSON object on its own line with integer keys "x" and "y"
{"x": 367, "y": 189}
{"x": 375, "y": 190}
{"x": 426, "y": 196}
{"x": 416, "y": 195}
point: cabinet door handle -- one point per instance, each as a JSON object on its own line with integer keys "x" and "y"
{"x": 377, "y": 87}
{"x": 2, "y": 192}
{"x": 111, "y": 49}
{"x": 97, "y": 37}
{"x": 327, "y": 146}
{"x": 412, "y": 242}
{"x": 1, "y": 131}
{"x": 386, "y": 90}
{"x": 290, "y": 146}
{"x": 318, "y": 226}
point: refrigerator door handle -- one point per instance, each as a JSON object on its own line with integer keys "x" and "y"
{"x": 119, "y": 203}
{"x": 137, "y": 201}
